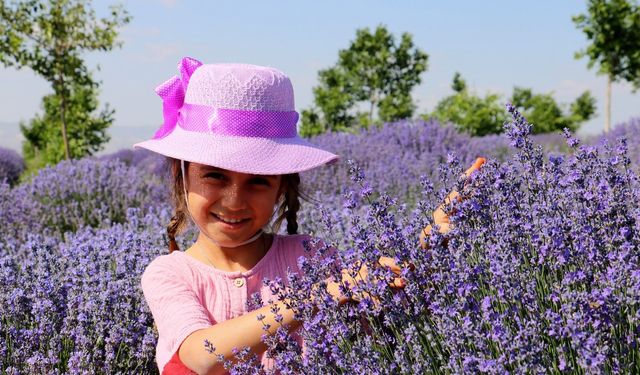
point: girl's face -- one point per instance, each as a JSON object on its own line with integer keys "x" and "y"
{"x": 230, "y": 206}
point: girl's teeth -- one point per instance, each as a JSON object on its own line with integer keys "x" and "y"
{"x": 230, "y": 221}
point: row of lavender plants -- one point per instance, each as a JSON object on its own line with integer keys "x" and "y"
{"x": 540, "y": 272}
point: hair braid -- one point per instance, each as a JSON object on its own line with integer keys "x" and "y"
{"x": 176, "y": 223}
{"x": 179, "y": 218}
{"x": 290, "y": 205}
{"x": 293, "y": 204}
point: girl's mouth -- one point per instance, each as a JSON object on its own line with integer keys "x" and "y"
{"x": 230, "y": 222}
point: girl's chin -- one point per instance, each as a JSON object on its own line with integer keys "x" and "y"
{"x": 229, "y": 238}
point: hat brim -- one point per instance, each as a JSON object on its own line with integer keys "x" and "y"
{"x": 252, "y": 155}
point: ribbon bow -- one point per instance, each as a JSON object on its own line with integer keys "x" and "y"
{"x": 172, "y": 94}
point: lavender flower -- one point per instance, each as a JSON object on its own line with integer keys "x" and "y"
{"x": 11, "y": 166}
{"x": 541, "y": 271}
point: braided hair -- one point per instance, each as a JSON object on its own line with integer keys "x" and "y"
{"x": 290, "y": 204}
{"x": 179, "y": 219}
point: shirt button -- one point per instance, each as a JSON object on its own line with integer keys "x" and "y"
{"x": 239, "y": 282}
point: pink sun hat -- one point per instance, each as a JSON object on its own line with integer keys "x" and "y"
{"x": 238, "y": 117}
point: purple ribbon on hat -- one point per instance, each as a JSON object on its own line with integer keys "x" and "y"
{"x": 172, "y": 94}
{"x": 205, "y": 119}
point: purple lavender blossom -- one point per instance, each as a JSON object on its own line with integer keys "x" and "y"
{"x": 541, "y": 271}
{"x": 11, "y": 166}
{"x": 145, "y": 160}
{"x": 75, "y": 194}
{"x": 76, "y": 307}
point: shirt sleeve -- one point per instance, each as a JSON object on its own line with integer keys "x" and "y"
{"x": 175, "y": 306}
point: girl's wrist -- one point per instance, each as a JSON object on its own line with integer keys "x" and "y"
{"x": 333, "y": 288}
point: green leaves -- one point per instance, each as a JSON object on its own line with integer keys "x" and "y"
{"x": 50, "y": 37}
{"x": 86, "y": 128}
{"x": 375, "y": 75}
{"x": 613, "y": 28}
{"x": 481, "y": 116}
{"x": 471, "y": 113}
{"x": 546, "y": 115}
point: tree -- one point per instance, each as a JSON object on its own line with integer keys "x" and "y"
{"x": 373, "y": 72}
{"x": 546, "y": 115}
{"x": 49, "y": 37}
{"x": 613, "y": 27}
{"x": 87, "y": 131}
{"x": 469, "y": 112}
{"x": 480, "y": 116}
{"x": 459, "y": 84}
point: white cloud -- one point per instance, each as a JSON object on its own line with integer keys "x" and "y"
{"x": 567, "y": 90}
{"x": 169, "y": 3}
{"x": 157, "y": 52}
{"x": 162, "y": 51}
{"x": 133, "y": 32}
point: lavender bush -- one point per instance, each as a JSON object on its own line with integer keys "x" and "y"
{"x": 541, "y": 273}
{"x": 76, "y": 307}
{"x": 11, "y": 166}
{"x": 145, "y": 160}
{"x": 395, "y": 156}
{"x": 75, "y": 194}
{"x": 631, "y": 131}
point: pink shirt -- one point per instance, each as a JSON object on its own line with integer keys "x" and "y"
{"x": 186, "y": 295}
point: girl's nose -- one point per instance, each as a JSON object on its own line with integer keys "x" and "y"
{"x": 233, "y": 197}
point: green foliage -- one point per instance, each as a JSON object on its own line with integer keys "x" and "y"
{"x": 613, "y": 28}
{"x": 49, "y": 37}
{"x": 471, "y": 113}
{"x": 481, "y": 116}
{"x": 545, "y": 114}
{"x": 584, "y": 107}
{"x": 86, "y": 129}
{"x": 459, "y": 84}
{"x": 310, "y": 123}
{"x": 374, "y": 73}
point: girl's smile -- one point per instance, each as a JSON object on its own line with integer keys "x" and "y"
{"x": 230, "y": 223}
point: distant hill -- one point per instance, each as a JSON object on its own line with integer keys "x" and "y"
{"x": 126, "y": 136}
{"x": 10, "y": 136}
{"x": 121, "y": 136}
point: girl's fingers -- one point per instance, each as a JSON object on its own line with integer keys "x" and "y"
{"x": 389, "y": 263}
{"x": 426, "y": 232}
{"x": 398, "y": 283}
{"x": 476, "y": 165}
{"x": 440, "y": 217}
{"x": 439, "y": 213}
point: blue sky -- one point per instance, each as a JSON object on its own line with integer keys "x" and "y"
{"x": 495, "y": 45}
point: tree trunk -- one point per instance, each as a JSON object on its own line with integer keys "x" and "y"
{"x": 373, "y": 103}
{"x": 607, "y": 120}
{"x": 63, "y": 107}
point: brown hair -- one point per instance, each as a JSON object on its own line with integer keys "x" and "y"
{"x": 288, "y": 208}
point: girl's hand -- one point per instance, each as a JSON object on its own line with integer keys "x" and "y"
{"x": 350, "y": 279}
{"x": 440, "y": 217}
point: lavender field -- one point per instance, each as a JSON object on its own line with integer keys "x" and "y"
{"x": 540, "y": 274}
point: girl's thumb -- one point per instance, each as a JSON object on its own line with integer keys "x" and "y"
{"x": 476, "y": 165}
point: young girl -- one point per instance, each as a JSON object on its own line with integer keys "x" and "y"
{"x": 230, "y": 133}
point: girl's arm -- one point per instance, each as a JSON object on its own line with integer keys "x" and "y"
{"x": 440, "y": 217}
{"x": 240, "y": 332}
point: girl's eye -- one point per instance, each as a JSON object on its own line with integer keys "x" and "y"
{"x": 260, "y": 181}
{"x": 214, "y": 175}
